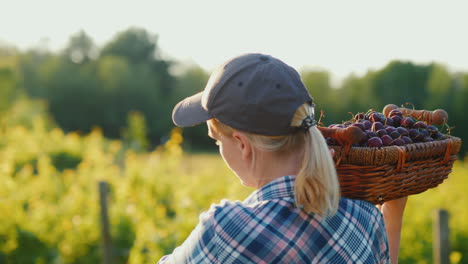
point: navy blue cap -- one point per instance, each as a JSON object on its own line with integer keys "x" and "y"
{"x": 253, "y": 92}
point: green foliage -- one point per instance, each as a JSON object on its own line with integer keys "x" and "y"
{"x": 30, "y": 114}
{"x": 81, "y": 48}
{"x": 417, "y": 223}
{"x": 7, "y": 85}
{"x": 135, "y": 136}
{"x": 439, "y": 85}
{"x": 62, "y": 160}
{"x": 49, "y": 177}
{"x": 134, "y": 44}
{"x": 37, "y": 69}
{"x": 123, "y": 238}
{"x": 37, "y": 250}
{"x": 155, "y": 198}
{"x": 52, "y": 199}
{"x": 318, "y": 84}
{"x": 87, "y": 86}
{"x": 111, "y": 71}
{"x": 400, "y": 82}
{"x": 9, "y": 78}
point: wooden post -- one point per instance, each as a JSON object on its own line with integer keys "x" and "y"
{"x": 106, "y": 244}
{"x": 441, "y": 243}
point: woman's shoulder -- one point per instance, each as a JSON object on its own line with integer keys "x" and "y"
{"x": 360, "y": 210}
{"x": 239, "y": 214}
{"x": 236, "y": 208}
{"x": 229, "y": 208}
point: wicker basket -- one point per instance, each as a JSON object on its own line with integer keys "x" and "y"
{"x": 383, "y": 174}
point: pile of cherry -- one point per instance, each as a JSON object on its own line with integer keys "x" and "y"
{"x": 394, "y": 127}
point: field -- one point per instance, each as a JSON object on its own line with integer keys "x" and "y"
{"x": 50, "y": 211}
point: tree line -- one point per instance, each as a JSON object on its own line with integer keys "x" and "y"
{"x": 87, "y": 86}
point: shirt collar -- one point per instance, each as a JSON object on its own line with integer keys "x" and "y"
{"x": 279, "y": 188}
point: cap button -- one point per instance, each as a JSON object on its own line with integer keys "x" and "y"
{"x": 264, "y": 58}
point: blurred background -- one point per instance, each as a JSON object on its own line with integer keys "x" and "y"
{"x": 87, "y": 90}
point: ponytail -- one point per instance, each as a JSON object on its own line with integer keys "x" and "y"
{"x": 316, "y": 188}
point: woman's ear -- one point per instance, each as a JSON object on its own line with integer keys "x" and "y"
{"x": 244, "y": 144}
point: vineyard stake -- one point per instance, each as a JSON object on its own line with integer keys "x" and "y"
{"x": 106, "y": 244}
{"x": 441, "y": 242}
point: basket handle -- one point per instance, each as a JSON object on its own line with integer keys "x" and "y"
{"x": 437, "y": 117}
{"x": 401, "y": 158}
{"x": 344, "y": 136}
{"x": 448, "y": 152}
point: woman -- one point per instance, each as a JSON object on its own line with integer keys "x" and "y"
{"x": 262, "y": 118}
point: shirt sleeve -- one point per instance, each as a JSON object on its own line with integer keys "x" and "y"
{"x": 200, "y": 246}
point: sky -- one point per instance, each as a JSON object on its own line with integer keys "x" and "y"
{"x": 342, "y": 37}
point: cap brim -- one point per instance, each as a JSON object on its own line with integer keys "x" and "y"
{"x": 190, "y": 112}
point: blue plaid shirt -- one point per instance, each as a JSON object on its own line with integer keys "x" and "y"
{"x": 268, "y": 228}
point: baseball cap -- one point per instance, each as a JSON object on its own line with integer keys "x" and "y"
{"x": 253, "y": 92}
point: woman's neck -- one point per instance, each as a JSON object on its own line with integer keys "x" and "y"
{"x": 270, "y": 166}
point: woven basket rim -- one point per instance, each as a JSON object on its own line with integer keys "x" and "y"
{"x": 394, "y": 154}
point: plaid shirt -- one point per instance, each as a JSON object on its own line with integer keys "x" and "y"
{"x": 268, "y": 228}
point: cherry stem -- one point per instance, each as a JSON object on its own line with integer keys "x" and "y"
{"x": 322, "y": 114}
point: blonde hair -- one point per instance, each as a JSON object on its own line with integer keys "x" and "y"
{"x": 316, "y": 188}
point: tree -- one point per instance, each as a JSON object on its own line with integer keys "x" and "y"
{"x": 35, "y": 68}
{"x": 87, "y": 89}
{"x": 7, "y": 88}
{"x": 81, "y": 48}
{"x": 191, "y": 81}
{"x": 74, "y": 96}
{"x": 8, "y": 77}
{"x": 136, "y": 45}
{"x": 400, "y": 82}
{"x": 318, "y": 84}
{"x": 357, "y": 95}
{"x": 440, "y": 88}
{"x": 457, "y": 117}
